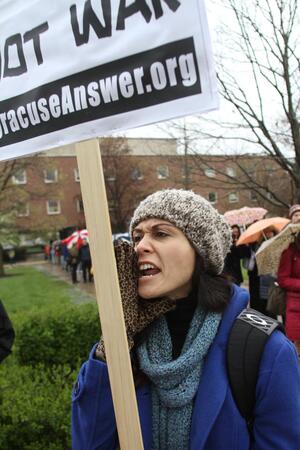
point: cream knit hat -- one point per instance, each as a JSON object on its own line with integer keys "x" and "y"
{"x": 203, "y": 226}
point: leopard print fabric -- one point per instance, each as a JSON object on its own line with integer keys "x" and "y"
{"x": 138, "y": 312}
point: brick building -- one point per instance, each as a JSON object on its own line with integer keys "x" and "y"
{"x": 49, "y": 185}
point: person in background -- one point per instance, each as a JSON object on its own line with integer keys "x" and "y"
{"x": 178, "y": 312}
{"x": 65, "y": 257}
{"x": 288, "y": 278}
{"x": 232, "y": 266}
{"x": 294, "y": 213}
{"x": 84, "y": 256}
{"x": 47, "y": 249}
{"x": 7, "y": 334}
{"x": 259, "y": 285}
{"x": 73, "y": 262}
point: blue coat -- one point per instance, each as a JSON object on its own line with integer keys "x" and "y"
{"x": 216, "y": 422}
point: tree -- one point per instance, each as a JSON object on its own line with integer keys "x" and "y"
{"x": 14, "y": 195}
{"x": 258, "y": 64}
{"x": 9, "y": 190}
{"x": 264, "y": 38}
{"x": 121, "y": 174}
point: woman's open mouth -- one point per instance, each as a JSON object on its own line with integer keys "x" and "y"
{"x": 148, "y": 270}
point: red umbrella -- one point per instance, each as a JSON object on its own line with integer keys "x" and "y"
{"x": 75, "y": 238}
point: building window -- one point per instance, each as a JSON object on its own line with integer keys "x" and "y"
{"x": 23, "y": 210}
{"x": 53, "y": 207}
{"x": 210, "y": 173}
{"x": 110, "y": 175}
{"x": 50, "y": 175}
{"x": 212, "y": 197}
{"x": 233, "y": 197}
{"x": 79, "y": 205}
{"x": 20, "y": 177}
{"x": 111, "y": 205}
{"x": 230, "y": 171}
{"x": 76, "y": 175}
{"x": 136, "y": 174}
{"x": 186, "y": 172}
{"x": 253, "y": 196}
{"x": 162, "y": 172}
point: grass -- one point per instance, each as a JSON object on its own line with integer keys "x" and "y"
{"x": 25, "y": 288}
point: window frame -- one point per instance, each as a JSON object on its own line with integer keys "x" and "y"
{"x": 47, "y": 180}
{"x": 140, "y": 177}
{"x": 79, "y": 202}
{"x": 211, "y": 171}
{"x": 53, "y": 213}
{"x": 237, "y": 197}
{"x": 231, "y": 172}
{"x": 16, "y": 181}
{"x": 76, "y": 175}
{"x": 27, "y": 213}
{"x": 161, "y": 176}
{"x": 216, "y": 197}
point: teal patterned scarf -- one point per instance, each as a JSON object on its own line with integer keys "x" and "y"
{"x": 175, "y": 382}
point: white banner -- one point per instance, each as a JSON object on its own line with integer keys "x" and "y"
{"x": 71, "y": 70}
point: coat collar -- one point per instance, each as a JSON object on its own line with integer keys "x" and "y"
{"x": 212, "y": 387}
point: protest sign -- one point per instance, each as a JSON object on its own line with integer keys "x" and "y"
{"x": 74, "y": 70}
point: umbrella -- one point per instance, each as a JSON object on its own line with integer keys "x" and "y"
{"x": 269, "y": 253}
{"x": 244, "y": 216}
{"x": 75, "y": 238}
{"x": 255, "y": 231}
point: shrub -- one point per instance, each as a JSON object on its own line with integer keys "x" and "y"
{"x": 58, "y": 335}
{"x": 35, "y": 407}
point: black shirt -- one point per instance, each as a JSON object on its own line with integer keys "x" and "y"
{"x": 179, "y": 320}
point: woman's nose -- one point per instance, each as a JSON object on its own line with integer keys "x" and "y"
{"x": 144, "y": 245}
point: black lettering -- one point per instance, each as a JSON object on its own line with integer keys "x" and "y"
{"x": 34, "y": 35}
{"x": 90, "y": 20}
{"x": 127, "y": 11}
{"x": 16, "y": 40}
{"x": 172, "y": 4}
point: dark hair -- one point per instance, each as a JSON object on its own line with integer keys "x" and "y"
{"x": 236, "y": 226}
{"x": 213, "y": 291}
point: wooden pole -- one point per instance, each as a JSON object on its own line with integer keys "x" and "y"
{"x": 108, "y": 294}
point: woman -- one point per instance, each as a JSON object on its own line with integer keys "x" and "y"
{"x": 288, "y": 278}
{"x": 178, "y": 325}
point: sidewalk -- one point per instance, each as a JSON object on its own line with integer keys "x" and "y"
{"x": 57, "y": 271}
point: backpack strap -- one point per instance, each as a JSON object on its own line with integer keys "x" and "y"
{"x": 247, "y": 339}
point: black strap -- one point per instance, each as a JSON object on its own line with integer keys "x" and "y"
{"x": 246, "y": 343}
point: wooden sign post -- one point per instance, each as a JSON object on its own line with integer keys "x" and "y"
{"x": 108, "y": 294}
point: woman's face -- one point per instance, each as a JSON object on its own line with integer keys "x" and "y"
{"x": 166, "y": 260}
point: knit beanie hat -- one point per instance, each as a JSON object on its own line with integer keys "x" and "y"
{"x": 293, "y": 209}
{"x": 202, "y": 225}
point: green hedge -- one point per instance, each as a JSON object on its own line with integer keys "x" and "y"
{"x": 58, "y": 335}
{"x": 35, "y": 407}
{"x": 36, "y": 381}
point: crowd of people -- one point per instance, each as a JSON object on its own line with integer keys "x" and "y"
{"x": 75, "y": 259}
{"x": 288, "y": 276}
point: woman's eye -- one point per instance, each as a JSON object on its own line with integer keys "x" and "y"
{"x": 136, "y": 239}
{"x": 161, "y": 234}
